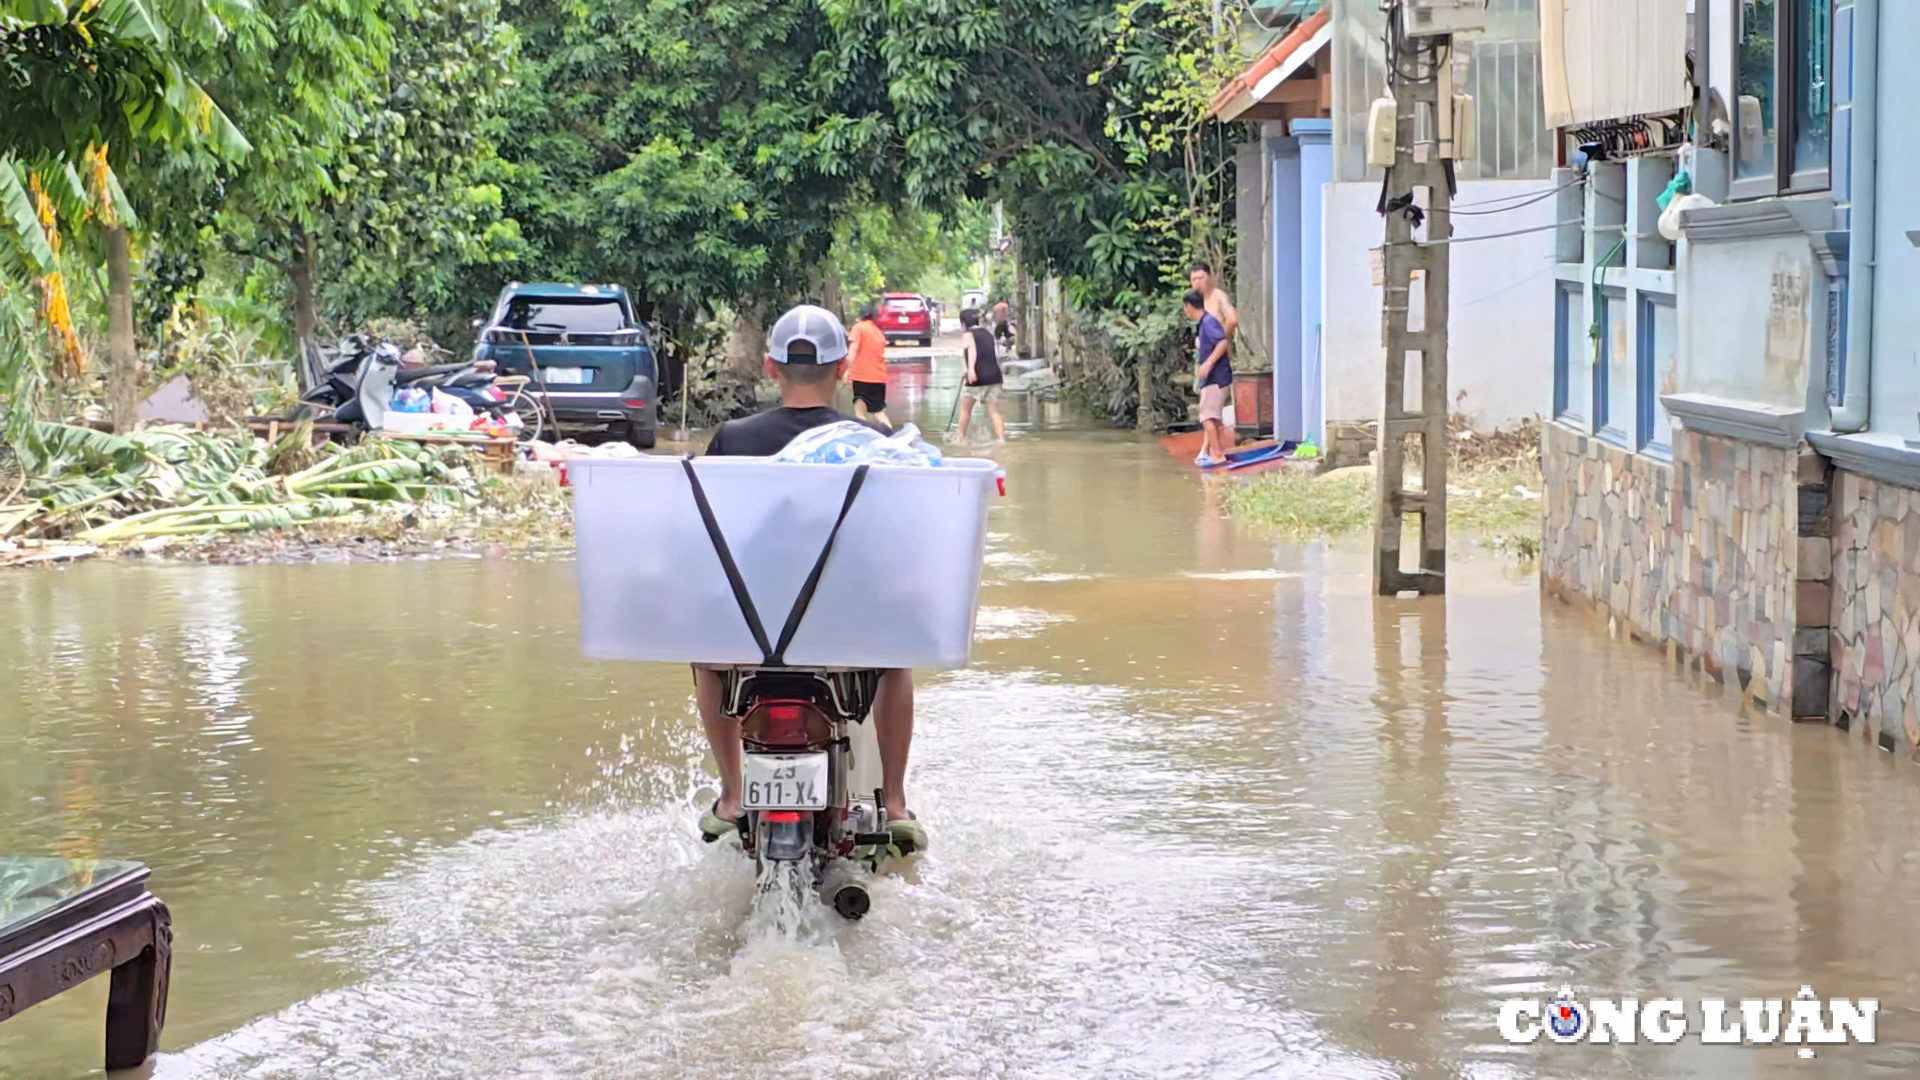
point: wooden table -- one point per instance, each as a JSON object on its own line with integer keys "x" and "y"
{"x": 63, "y": 921}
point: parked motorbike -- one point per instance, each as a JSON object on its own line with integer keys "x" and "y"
{"x": 359, "y": 379}
{"x": 797, "y": 802}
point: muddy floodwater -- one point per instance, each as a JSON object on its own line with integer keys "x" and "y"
{"x": 1202, "y": 807}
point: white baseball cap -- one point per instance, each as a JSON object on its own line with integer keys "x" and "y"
{"x": 815, "y": 326}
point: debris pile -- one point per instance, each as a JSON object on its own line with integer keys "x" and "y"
{"x": 87, "y": 487}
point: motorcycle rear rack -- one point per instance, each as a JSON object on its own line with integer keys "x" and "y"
{"x": 850, "y": 692}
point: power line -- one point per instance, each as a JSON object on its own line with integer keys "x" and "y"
{"x": 1542, "y": 197}
{"x": 1543, "y": 192}
{"x": 1502, "y": 291}
{"x": 1494, "y": 236}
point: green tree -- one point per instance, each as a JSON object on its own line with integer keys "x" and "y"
{"x": 877, "y": 247}
{"x": 78, "y": 81}
{"x": 376, "y": 188}
{"x": 1087, "y": 122}
{"x": 299, "y": 79}
{"x": 420, "y": 204}
{"x": 697, "y": 152}
{"x": 1086, "y": 119}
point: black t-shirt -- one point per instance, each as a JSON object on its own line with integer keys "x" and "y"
{"x": 986, "y": 358}
{"x": 766, "y": 434}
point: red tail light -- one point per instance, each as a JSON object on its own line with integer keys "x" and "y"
{"x": 784, "y": 724}
{"x": 787, "y": 724}
{"x": 634, "y": 403}
{"x": 781, "y": 817}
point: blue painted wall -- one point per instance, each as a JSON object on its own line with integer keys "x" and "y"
{"x": 1896, "y": 287}
{"x": 1285, "y": 251}
{"x": 1316, "y": 172}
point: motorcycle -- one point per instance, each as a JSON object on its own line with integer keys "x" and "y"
{"x": 798, "y": 806}
{"x": 360, "y": 384}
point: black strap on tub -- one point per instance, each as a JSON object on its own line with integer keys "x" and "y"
{"x": 720, "y": 548}
{"x": 775, "y": 655}
{"x": 801, "y": 602}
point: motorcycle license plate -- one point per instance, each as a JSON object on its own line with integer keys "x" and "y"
{"x": 786, "y": 782}
{"x": 568, "y": 376}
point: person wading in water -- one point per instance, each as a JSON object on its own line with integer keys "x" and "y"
{"x": 983, "y": 382}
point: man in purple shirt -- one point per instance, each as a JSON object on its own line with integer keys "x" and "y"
{"x": 1213, "y": 378}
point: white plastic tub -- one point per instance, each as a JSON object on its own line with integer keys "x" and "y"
{"x": 899, "y": 591}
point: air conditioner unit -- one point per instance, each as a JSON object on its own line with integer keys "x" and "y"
{"x": 1424, "y": 18}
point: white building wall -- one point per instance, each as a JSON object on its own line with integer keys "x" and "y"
{"x": 1500, "y": 345}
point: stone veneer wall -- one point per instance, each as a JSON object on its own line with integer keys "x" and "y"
{"x": 1700, "y": 553}
{"x": 1876, "y": 609}
{"x": 1605, "y": 536}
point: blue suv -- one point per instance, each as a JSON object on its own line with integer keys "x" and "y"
{"x": 587, "y": 355}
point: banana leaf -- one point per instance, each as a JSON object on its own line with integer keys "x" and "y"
{"x": 22, "y": 224}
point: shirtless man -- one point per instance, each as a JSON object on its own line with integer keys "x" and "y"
{"x": 1219, "y": 305}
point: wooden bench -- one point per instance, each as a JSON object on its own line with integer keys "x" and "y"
{"x": 64, "y": 921}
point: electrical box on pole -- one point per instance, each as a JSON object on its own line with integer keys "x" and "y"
{"x": 1425, "y": 18}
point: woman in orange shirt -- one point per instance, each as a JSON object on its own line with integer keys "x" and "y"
{"x": 867, "y": 366}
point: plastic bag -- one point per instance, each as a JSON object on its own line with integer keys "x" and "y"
{"x": 1670, "y": 217}
{"x": 850, "y": 442}
{"x": 903, "y": 447}
{"x": 411, "y": 399}
{"x": 448, "y": 405}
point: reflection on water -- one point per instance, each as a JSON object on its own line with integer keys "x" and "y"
{"x": 1203, "y": 807}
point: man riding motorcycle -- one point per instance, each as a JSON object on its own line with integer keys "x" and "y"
{"x": 807, "y": 357}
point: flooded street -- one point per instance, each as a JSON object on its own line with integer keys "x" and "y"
{"x": 1202, "y": 807}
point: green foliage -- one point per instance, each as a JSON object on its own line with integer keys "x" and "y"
{"x": 83, "y": 74}
{"x": 1495, "y": 501}
{"x": 76, "y": 81}
{"x": 1296, "y": 503}
{"x": 876, "y": 248}
{"x": 1160, "y": 340}
{"x": 296, "y": 77}
{"x": 696, "y": 152}
{"x": 174, "y": 481}
{"x": 420, "y": 205}
{"x": 1086, "y": 120}
{"x": 409, "y": 158}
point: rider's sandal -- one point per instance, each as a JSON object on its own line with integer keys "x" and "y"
{"x": 713, "y": 826}
{"x": 908, "y": 835}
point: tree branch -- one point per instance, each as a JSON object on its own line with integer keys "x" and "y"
{"x": 247, "y": 253}
{"x": 1072, "y": 134}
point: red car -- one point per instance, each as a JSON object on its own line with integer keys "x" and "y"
{"x": 906, "y": 316}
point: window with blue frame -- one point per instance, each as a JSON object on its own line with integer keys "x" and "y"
{"x": 1613, "y": 376}
{"x": 1782, "y": 122}
{"x": 1572, "y": 358}
{"x": 1658, "y": 357}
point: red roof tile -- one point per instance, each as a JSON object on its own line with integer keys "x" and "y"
{"x": 1267, "y": 61}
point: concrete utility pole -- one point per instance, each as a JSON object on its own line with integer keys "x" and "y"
{"x": 1022, "y": 305}
{"x": 1039, "y": 340}
{"x": 1404, "y": 257}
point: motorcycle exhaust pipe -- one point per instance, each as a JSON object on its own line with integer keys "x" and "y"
{"x": 848, "y": 896}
